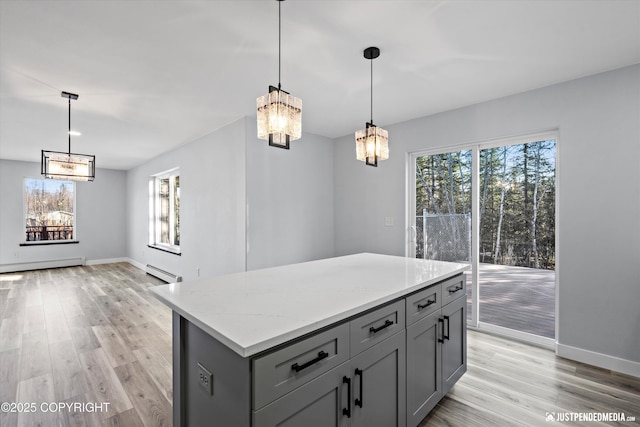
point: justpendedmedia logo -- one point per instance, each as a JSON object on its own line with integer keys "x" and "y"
{"x": 589, "y": 416}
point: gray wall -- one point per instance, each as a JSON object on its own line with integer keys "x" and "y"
{"x": 289, "y": 200}
{"x": 243, "y": 204}
{"x": 212, "y": 206}
{"x": 100, "y": 217}
{"x": 598, "y": 118}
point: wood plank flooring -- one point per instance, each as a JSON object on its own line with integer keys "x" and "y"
{"x": 94, "y": 334}
{"x": 91, "y": 334}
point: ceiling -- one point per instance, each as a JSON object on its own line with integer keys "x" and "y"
{"x": 155, "y": 74}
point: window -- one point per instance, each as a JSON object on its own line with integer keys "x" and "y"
{"x": 49, "y": 210}
{"x": 164, "y": 211}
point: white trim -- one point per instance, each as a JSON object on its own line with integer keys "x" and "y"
{"x": 519, "y": 138}
{"x": 410, "y": 201}
{"x": 154, "y": 210}
{"x": 627, "y": 367}
{"x": 106, "y": 261}
{"x": 557, "y": 266}
{"x": 475, "y": 235}
{"x": 537, "y": 340}
{"x": 136, "y": 264}
{"x": 40, "y": 265}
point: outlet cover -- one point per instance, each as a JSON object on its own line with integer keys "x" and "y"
{"x": 205, "y": 379}
{"x": 388, "y": 221}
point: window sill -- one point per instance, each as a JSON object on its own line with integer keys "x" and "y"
{"x": 165, "y": 249}
{"x": 49, "y": 242}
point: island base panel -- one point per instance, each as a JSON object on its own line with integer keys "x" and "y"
{"x": 230, "y": 403}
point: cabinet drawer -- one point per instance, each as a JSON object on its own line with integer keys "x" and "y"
{"x": 276, "y": 374}
{"x": 376, "y": 326}
{"x": 453, "y": 288}
{"x": 423, "y": 303}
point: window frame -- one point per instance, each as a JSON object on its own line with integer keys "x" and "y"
{"x": 476, "y": 147}
{"x": 24, "y": 241}
{"x": 155, "y": 228}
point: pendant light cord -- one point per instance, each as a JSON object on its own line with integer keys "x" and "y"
{"x": 69, "y": 126}
{"x": 279, "y": 40}
{"x": 371, "y": 60}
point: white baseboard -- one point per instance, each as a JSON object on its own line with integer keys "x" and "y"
{"x": 627, "y": 367}
{"x": 135, "y": 263}
{"x": 106, "y": 261}
{"x": 39, "y": 265}
{"x": 537, "y": 340}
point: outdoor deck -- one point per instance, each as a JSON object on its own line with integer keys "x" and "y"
{"x": 516, "y": 298}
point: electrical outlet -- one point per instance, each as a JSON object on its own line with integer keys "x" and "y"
{"x": 205, "y": 379}
{"x": 388, "y": 221}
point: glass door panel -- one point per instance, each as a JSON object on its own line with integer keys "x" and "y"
{"x": 516, "y": 269}
{"x": 443, "y": 209}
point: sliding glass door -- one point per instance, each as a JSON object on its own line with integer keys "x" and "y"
{"x": 493, "y": 205}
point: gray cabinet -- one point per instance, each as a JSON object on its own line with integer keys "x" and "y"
{"x": 436, "y": 346}
{"x": 378, "y": 383}
{"x": 384, "y": 367}
{"x": 366, "y": 391}
{"x": 454, "y": 345}
{"x": 318, "y": 403}
{"x": 279, "y": 372}
{"x": 424, "y": 373}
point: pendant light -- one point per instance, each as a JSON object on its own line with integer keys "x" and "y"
{"x": 68, "y": 166}
{"x": 372, "y": 142}
{"x": 279, "y": 113}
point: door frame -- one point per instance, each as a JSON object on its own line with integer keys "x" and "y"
{"x": 410, "y": 231}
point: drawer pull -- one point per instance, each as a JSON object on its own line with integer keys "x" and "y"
{"x": 347, "y": 411}
{"x": 441, "y": 320}
{"x": 446, "y": 337}
{"x": 429, "y": 302}
{"x": 387, "y": 323}
{"x": 456, "y": 289}
{"x": 321, "y": 355}
{"x": 358, "y": 402}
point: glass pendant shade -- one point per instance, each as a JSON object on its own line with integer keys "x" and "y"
{"x": 68, "y": 166}
{"x": 372, "y": 144}
{"x": 279, "y": 117}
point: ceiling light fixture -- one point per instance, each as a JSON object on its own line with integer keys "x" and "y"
{"x": 279, "y": 113}
{"x": 68, "y": 166}
{"x": 372, "y": 142}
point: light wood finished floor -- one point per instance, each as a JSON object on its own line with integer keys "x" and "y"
{"x": 95, "y": 334}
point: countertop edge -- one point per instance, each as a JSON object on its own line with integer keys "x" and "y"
{"x": 252, "y": 350}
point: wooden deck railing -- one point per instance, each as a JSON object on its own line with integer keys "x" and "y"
{"x": 49, "y": 232}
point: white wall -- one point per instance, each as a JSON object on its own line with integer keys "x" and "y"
{"x": 289, "y": 200}
{"x": 100, "y": 217}
{"x": 598, "y": 118}
{"x": 212, "y": 206}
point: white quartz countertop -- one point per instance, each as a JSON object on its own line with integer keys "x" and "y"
{"x": 253, "y": 311}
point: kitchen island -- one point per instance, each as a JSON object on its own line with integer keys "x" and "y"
{"x": 363, "y": 339}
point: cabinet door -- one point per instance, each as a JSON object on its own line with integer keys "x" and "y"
{"x": 318, "y": 403}
{"x": 379, "y": 384}
{"x": 424, "y": 373}
{"x": 454, "y": 347}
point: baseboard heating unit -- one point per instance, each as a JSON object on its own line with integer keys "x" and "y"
{"x": 40, "y": 265}
{"x": 162, "y": 274}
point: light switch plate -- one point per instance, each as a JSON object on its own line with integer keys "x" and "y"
{"x": 205, "y": 379}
